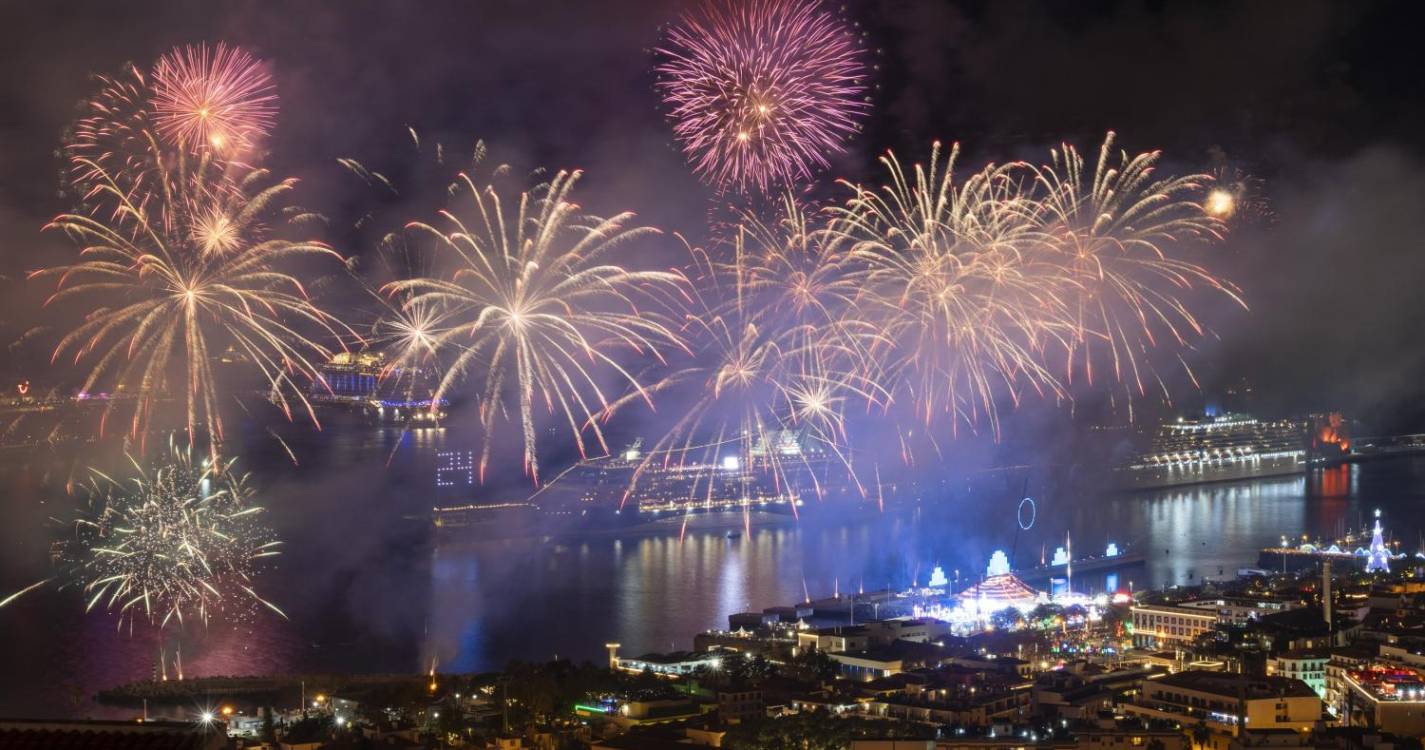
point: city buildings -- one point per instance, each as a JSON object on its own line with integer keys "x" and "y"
{"x": 1166, "y": 626}
{"x": 671, "y": 664}
{"x": 1307, "y": 665}
{"x": 1385, "y": 697}
{"x": 1227, "y": 702}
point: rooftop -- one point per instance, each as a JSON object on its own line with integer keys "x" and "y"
{"x": 898, "y": 651}
{"x": 674, "y": 657}
{"x": 24, "y": 734}
{"x": 1238, "y": 685}
{"x": 1391, "y": 683}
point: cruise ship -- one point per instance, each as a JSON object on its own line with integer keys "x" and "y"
{"x": 1219, "y": 448}
{"x": 772, "y": 477}
{"x": 777, "y": 471}
{"x": 366, "y": 385}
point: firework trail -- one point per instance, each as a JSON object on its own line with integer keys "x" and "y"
{"x": 174, "y": 541}
{"x": 1113, "y": 231}
{"x": 23, "y": 591}
{"x": 181, "y": 277}
{"x": 117, "y": 160}
{"x": 775, "y": 364}
{"x": 761, "y": 91}
{"x": 981, "y": 285}
{"x": 218, "y": 98}
{"x": 535, "y": 306}
{"x": 951, "y": 274}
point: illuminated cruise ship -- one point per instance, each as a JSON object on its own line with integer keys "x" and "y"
{"x": 784, "y": 470}
{"x": 1217, "y": 448}
{"x": 780, "y": 469}
{"x": 365, "y": 384}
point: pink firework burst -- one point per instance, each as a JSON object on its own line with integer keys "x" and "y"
{"x": 761, "y": 91}
{"x": 216, "y": 97}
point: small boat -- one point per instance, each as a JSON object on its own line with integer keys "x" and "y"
{"x": 733, "y": 535}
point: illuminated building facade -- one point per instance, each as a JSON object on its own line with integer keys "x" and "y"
{"x": 1385, "y": 697}
{"x": 1306, "y": 665}
{"x": 1227, "y": 702}
{"x": 1242, "y": 610}
{"x": 1167, "y": 626}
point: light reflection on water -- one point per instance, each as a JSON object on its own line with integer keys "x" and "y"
{"x": 653, "y": 593}
{"x": 366, "y": 592}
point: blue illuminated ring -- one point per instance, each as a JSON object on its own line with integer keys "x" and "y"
{"x": 1033, "y": 513}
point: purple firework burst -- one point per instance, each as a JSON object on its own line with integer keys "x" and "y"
{"x": 762, "y": 91}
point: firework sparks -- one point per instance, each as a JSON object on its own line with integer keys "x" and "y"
{"x": 114, "y": 138}
{"x": 775, "y": 364}
{"x": 977, "y": 284}
{"x": 1112, "y": 230}
{"x": 950, "y": 274}
{"x": 1236, "y": 196}
{"x": 535, "y": 303}
{"x": 175, "y": 541}
{"x": 213, "y": 97}
{"x": 180, "y": 278}
{"x": 760, "y": 92}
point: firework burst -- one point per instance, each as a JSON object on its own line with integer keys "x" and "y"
{"x": 174, "y": 541}
{"x": 776, "y": 364}
{"x": 180, "y": 278}
{"x": 114, "y": 137}
{"x": 760, "y": 92}
{"x": 1114, "y": 230}
{"x": 217, "y": 98}
{"x": 1236, "y": 196}
{"x": 952, "y": 275}
{"x": 536, "y": 307}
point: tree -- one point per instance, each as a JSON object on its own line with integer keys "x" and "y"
{"x": 269, "y": 729}
{"x": 1044, "y": 614}
{"x": 1006, "y": 619}
{"x": 1200, "y": 735}
{"x": 811, "y": 666}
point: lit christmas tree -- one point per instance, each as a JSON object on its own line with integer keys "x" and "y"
{"x": 1379, "y": 559}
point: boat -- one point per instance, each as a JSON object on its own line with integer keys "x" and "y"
{"x": 1220, "y": 448}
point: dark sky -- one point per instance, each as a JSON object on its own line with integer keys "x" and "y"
{"x": 1321, "y": 100}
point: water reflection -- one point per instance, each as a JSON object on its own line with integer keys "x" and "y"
{"x": 366, "y": 591}
{"x": 653, "y": 593}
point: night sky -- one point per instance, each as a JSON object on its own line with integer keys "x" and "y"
{"x": 1320, "y": 100}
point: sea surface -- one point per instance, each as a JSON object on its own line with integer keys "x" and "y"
{"x": 366, "y": 587}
